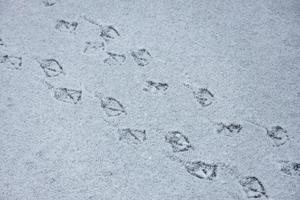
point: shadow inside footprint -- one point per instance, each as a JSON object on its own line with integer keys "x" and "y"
{"x": 153, "y": 86}
{"x": 178, "y": 141}
{"x": 108, "y": 33}
{"x": 134, "y": 136}
{"x": 278, "y": 135}
{"x": 51, "y": 67}
{"x": 93, "y": 47}
{"x": 67, "y": 95}
{"x": 141, "y": 57}
{"x": 48, "y": 3}
{"x": 229, "y": 129}
{"x": 112, "y": 107}
{"x": 253, "y": 187}
{"x": 12, "y": 62}
{"x": 63, "y": 25}
{"x": 202, "y": 170}
{"x": 204, "y": 97}
{"x": 290, "y": 168}
{"x": 114, "y": 59}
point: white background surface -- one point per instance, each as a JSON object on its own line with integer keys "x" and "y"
{"x": 245, "y": 52}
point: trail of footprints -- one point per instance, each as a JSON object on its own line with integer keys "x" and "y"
{"x": 177, "y": 141}
{"x": 141, "y": 57}
{"x": 211, "y": 171}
